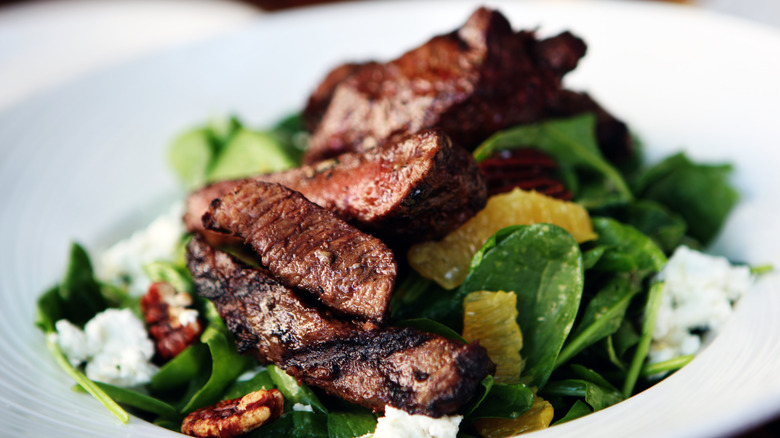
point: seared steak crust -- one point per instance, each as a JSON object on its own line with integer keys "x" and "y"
{"x": 419, "y": 188}
{"x": 470, "y": 83}
{"x": 418, "y": 372}
{"x": 307, "y": 247}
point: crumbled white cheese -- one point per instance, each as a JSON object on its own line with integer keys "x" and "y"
{"x": 72, "y": 341}
{"x": 398, "y": 424}
{"x": 302, "y": 407}
{"x": 699, "y": 295}
{"x": 157, "y": 242}
{"x": 115, "y": 346}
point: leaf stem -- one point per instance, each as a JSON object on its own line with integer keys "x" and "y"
{"x": 651, "y": 313}
{"x": 87, "y": 384}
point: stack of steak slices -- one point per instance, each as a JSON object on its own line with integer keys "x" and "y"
{"x": 387, "y": 166}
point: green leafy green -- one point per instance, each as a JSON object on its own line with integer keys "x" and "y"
{"x": 293, "y": 392}
{"x": 701, "y": 194}
{"x": 572, "y": 143}
{"x": 603, "y": 315}
{"x": 137, "y": 400}
{"x": 597, "y": 396}
{"x": 667, "y": 229}
{"x": 169, "y": 273}
{"x": 249, "y": 153}
{"x": 294, "y": 424}
{"x": 542, "y": 264}
{"x": 504, "y": 401}
{"x": 79, "y": 291}
{"x": 350, "y": 424}
{"x": 650, "y": 315}
{"x": 578, "y": 409}
{"x": 88, "y": 385}
{"x": 226, "y": 366}
{"x": 179, "y": 371}
{"x": 261, "y": 380}
{"x": 627, "y": 248}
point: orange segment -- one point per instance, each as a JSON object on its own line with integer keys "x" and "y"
{"x": 447, "y": 261}
{"x": 491, "y": 319}
{"x": 537, "y": 417}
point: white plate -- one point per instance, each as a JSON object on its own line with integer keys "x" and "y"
{"x": 87, "y": 163}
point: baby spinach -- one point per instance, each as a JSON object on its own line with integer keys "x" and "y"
{"x": 603, "y": 315}
{"x": 597, "y": 396}
{"x": 226, "y": 366}
{"x": 134, "y": 399}
{"x": 542, "y": 264}
{"x": 79, "y": 292}
{"x": 666, "y": 228}
{"x": 577, "y": 410}
{"x": 627, "y": 248}
{"x": 701, "y": 194}
{"x": 643, "y": 347}
{"x": 261, "y": 380}
{"x": 572, "y": 144}
{"x": 350, "y": 424}
{"x": 504, "y": 401}
{"x": 293, "y": 392}
{"x": 179, "y": 371}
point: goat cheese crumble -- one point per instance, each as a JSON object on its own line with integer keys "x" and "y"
{"x": 700, "y": 292}
{"x": 114, "y": 344}
{"x": 157, "y": 242}
{"x": 398, "y": 424}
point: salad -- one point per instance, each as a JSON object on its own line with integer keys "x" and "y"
{"x": 582, "y": 350}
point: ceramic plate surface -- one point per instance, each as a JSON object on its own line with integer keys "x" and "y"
{"x": 87, "y": 162}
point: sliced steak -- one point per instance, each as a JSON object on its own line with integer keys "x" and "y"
{"x": 419, "y": 188}
{"x": 470, "y": 83}
{"x": 308, "y": 247}
{"x": 418, "y": 372}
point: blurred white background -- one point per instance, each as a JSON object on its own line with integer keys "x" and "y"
{"x": 49, "y": 42}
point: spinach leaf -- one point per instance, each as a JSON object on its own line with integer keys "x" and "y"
{"x": 49, "y": 310}
{"x": 350, "y": 424}
{"x": 226, "y": 366}
{"x": 88, "y": 385}
{"x": 504, "y": 401}
{"x": 293, "y": 392}
{"x": 79, "y": 291}
{"x": 179, "y": 371}
{"x": 667, "y": 229}
{"x": 169, "y": 273}
{"x": 249, "y": 153}
{"x": 577, "y": 410}
{"x": 603, "y": 315}
{"x": 627, "y": 249}
{"x": 191, "y": 154}
{"x": 597, "y": 396}
{"x": 261, "y": 380}
{"x": 700, "y": 193}
{"x": 542, "y": 264}
{"x": 137, "y": 400}
{"x": 294, "y": 424}
{"x": 572, "y": 143}
{"x": 648, "y": 325}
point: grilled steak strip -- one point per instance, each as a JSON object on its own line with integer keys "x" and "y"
{"x": 419, "y": 188}
{"x": 470, "y": 83}
{"x": 307, "y": 247}
{"x": 418, "y": 372}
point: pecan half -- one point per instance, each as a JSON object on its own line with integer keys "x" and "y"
{"x": 230, "y": 418}
{"x": 529, "y": 169}
{"x": 171, "y": 323}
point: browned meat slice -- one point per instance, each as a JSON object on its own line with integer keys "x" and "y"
{"x": 308, "y": 247}
{"x": 470, "y": 83}
{"x": 613, "y": 135}
{"x": 418, "y": 372}
{"x": 419, "y": 188}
